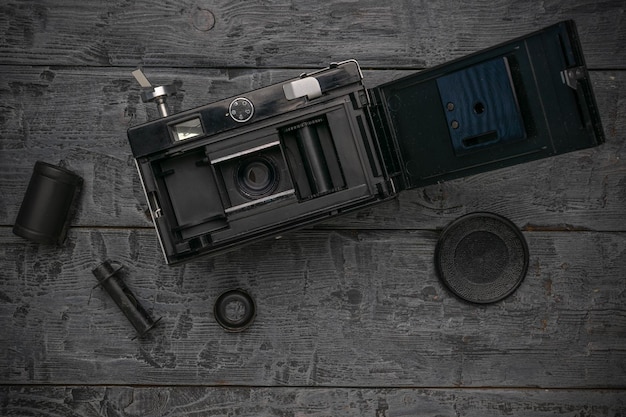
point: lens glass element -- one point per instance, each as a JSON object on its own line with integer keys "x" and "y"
{"x": 257, "y": 177}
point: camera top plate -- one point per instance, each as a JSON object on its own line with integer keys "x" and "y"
{"x": 230, "y": 113}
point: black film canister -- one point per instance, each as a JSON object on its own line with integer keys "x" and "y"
{"x": 47, "y": 206}
{"x": 313, "y": 158}
{"x": 108, "y": 277}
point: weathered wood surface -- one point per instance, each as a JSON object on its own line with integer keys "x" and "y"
{"x": 352, "y": 319}
{"x": 85, "y": 401}
{"x": 201, "y": 33}
{"x": 78, "y": 118}
{"x": 345, "y": 309}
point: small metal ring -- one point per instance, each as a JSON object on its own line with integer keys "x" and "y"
{"x": 234, "y": 310}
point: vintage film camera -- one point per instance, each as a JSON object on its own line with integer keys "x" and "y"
{"x": 298, "y": 152}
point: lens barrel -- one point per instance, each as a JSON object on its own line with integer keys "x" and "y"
{"x": 257, "y": 177}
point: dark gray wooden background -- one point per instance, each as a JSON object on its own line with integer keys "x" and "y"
{"x": 352, "y": 320}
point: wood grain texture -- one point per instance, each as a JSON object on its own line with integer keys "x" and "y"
{"x": 199, "y": 33}
{"x": 352, "y": 320}
{"x": 357, "y": 309}
{"x": 86, "y": 401}
{"x": 78, "y": 118}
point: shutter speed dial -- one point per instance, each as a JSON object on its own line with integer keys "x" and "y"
{"x": 241, "y": 109}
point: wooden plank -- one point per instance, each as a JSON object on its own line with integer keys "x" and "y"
{"x": 356, "y": 309}
{"x": 352, "y": 319}
{"x": 88, "y": 401}
{"x": 77, "y": 117}
{"x": 289, "y": 33}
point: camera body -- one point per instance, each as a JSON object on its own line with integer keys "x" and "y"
{"x": 259, "y": 164}
{"x": 297, "y": 152}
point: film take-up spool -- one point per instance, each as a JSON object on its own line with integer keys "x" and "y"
{"x": 312, "y": 156}
{"x": 108, "y": 278}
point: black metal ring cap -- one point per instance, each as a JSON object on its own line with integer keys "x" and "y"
{"x": 481, "y": 257}
{"x": 234, "y": 310}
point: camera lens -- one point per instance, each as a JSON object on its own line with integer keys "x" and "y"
{"x": 257, "y": 177}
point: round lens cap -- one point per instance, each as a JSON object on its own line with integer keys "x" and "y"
{"x": 234, "y": 310}
{"x": 481, "y": 257}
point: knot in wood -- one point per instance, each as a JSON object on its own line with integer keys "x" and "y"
{"x": 203, "y": 19}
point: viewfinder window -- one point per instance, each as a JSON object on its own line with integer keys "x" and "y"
{"x": 187, "y": 129}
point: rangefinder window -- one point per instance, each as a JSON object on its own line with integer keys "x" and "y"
{"x": 188, "y": 129}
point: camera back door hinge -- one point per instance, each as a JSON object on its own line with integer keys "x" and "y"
{"x": 571, "y": 76}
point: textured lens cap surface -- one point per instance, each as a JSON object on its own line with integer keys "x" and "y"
{"x": 234, "y": 310}
{"x": 481, "y": 257}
